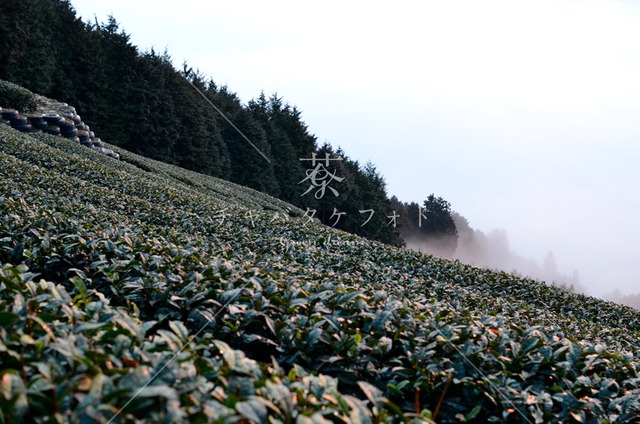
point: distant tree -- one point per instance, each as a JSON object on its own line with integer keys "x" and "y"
{"x": 429, "y": 227}
{"x": 121, "y": 89}
{"x": 632, "y": 300}
{"x": 251, "y": 160}
{"x": 499, "y": 248}
{"x": 470, "y": 248}
{"x": 42, "y": 42}
{"x": 383, "y": 222}
{"x": 200, "y": 145}
{"x": 404, "y": 222}
{"x": 550, "y": 267}
{"x": 437, "y": 227}
{"x": 413, "y": 213}
{"x": 274, "y": 117}
{"x": 159, "y": 133}
{"x": 27, "y": 55}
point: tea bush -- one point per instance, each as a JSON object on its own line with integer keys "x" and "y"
{"x": 134, "y": 291}
{"x": 16, "y": 97}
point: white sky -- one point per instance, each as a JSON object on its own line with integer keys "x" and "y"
{"x": 522, "y": 114}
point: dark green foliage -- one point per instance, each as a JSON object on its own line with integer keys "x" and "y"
{"x": 120, "y": 86}
{"x": 386, "y": 219}
{"x": 251, "y": 160}
{"x": 47, "y": 49}
{"x": 28, "y": 55}
{"x": 407, "y": 220}
{"x": 284, "y": 132}
{"x": 429, "y": 227}
{"x": 113, "y": 271}
{"x": 437, "y": 225}
{"x": 16, "y": 97}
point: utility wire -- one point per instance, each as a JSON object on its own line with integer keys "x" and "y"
{"x": 228, "y": 120}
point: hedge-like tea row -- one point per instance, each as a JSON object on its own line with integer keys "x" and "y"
{"x": 117, "y": 271}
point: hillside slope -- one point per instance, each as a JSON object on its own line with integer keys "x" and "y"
{"x": 134, "y": 291}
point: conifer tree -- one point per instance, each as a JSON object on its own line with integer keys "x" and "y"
{"x": 249, "y": 150}
{"x": 437, "y": 226}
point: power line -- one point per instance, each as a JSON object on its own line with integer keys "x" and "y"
{"x": 228, "y": 120}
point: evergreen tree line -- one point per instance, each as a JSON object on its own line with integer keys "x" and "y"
{"x": 141, "y": 102}
{"x": 428, "y": 227}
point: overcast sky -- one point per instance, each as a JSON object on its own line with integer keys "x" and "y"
{"x": 523, "y": 114}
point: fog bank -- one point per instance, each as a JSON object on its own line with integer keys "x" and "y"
{"x": 492, "y": 251}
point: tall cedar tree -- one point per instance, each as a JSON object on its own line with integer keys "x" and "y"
{"x": 286, "y": 166}
{"x": 251, "y": 163}
{"x": 438, "y": 228}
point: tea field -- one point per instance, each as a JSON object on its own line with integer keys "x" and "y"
{"x": 132, "y": 291}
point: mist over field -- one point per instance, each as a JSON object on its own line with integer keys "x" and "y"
{"x": 493, "y": 251}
